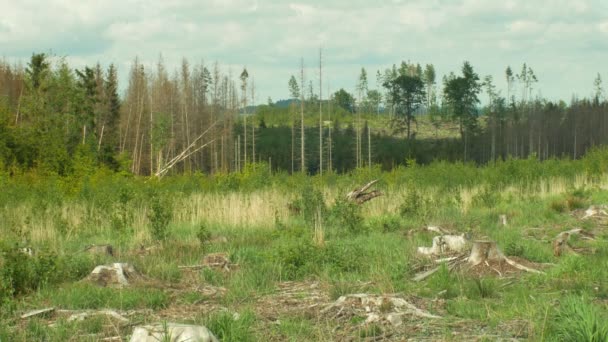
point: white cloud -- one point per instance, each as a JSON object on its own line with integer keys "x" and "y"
{"x": 524, "y": 27}
{"x": 270, "y": 37}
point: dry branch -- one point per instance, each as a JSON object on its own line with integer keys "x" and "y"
{"x": 360, "y": 195}
{"x": 561, "y": 245}
{"x": 37, "y": 313}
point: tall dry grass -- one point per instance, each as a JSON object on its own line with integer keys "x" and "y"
{"x": 259, "y": 208}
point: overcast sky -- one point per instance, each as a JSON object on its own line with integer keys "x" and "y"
{"x": 564, "y": 41}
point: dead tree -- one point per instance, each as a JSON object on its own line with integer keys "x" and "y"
{"x": 360, "y": 195}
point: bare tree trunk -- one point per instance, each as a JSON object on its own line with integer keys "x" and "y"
{"x": 126, "y": 133}
{"x": 18, "y": 106}
{"x": 302, "y": 161}
{"x": 329, "y": 143}
{"x": 369, "y": 147}
{"x": 151, "y": 138}
{"x": 100, "y": 137}
{"x": 320, "y": 115}
{"x": 245, "y": 133}
{"x": 252, "y": 121}
{"x": 293, "y": 139}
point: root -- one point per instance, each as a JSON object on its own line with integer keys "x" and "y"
{"x": 561, "y": 245}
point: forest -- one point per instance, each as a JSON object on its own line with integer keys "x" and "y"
{"x": 201, "y": 118}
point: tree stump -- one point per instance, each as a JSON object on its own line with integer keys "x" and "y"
{"x": 484, "y": 250}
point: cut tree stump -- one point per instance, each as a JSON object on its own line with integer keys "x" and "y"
{"x": 484, "y": 251}
{"x": 360, "y": 195}
{"x": 117, "y": 275}
{"x": 445, "y": 244}
{"x": 172, "y": 332}
{"x": 483, "y": 254}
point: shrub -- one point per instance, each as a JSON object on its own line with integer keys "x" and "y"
{"x": 559, "y": 206}
{"x": 203, "y": 234}
{"x": 386, "y": 224}
{"x": 415, "y": 204}
{"x": 309, "y": 203}
{"x": 297, "y": 258}
{"x": 121, "y": 215}
{"x": 21, "y": 273}
{"x": 347, "y": 215}
{"x": 159, "y": 215}
{"x": 487, "y": 197}
{"x": 343, "y": 257}
{"x": 575, "y": 202}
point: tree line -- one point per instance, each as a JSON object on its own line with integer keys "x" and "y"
{"x": 200, "y": 118}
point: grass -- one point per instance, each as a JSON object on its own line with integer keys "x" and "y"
{"x": 370, "y": 249}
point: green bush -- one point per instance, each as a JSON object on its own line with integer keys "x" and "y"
{"x": 559, "y": 206}
{"x": 346, "y": 215}
{"x": 297, "y": 258}
{"x": 415, "y": 204}
{"x": 309, "y": 204}
{"x": 159, "y": 215}
{"x": 21, "y": 273}
{"x": 385, "y": 223}
{"x": 488, "y": 197}
{"x": 203, "y": 234}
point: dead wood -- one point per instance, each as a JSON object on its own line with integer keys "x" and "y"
{"x": 595, "y": 211}
{"x": 502, "y": 219}
{"x": 39, "y": 312}
{"x": 445, "y": 244}
{"x": 360, "y": 195}
{"x": 483, "y": 254}
{"x": 376, "y": 308}
{"x": 213, "y": 260}
{"x": 437, "y": 229}
{"x": 561, "y": 245}
{"x": 484, "y": 251}
{"x": 114, "y": 275}
{"x": 100, "y": 250}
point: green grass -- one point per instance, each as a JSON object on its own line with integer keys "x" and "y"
{"x": 86, "y": 296}
{"x": 369, "y": 249}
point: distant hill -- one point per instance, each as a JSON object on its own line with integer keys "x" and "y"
{"x": 285, "y": 103}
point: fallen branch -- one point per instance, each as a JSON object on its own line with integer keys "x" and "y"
{"x": 192, "y": 267}
{"x": 37, "y": 313}
{"x": 561, "y": 245}
{"x": 360, "y": 195}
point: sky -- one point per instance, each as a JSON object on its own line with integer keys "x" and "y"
{"x": 565, "y": 42}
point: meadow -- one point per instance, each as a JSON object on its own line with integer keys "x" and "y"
{"x": 295, "y": 245}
